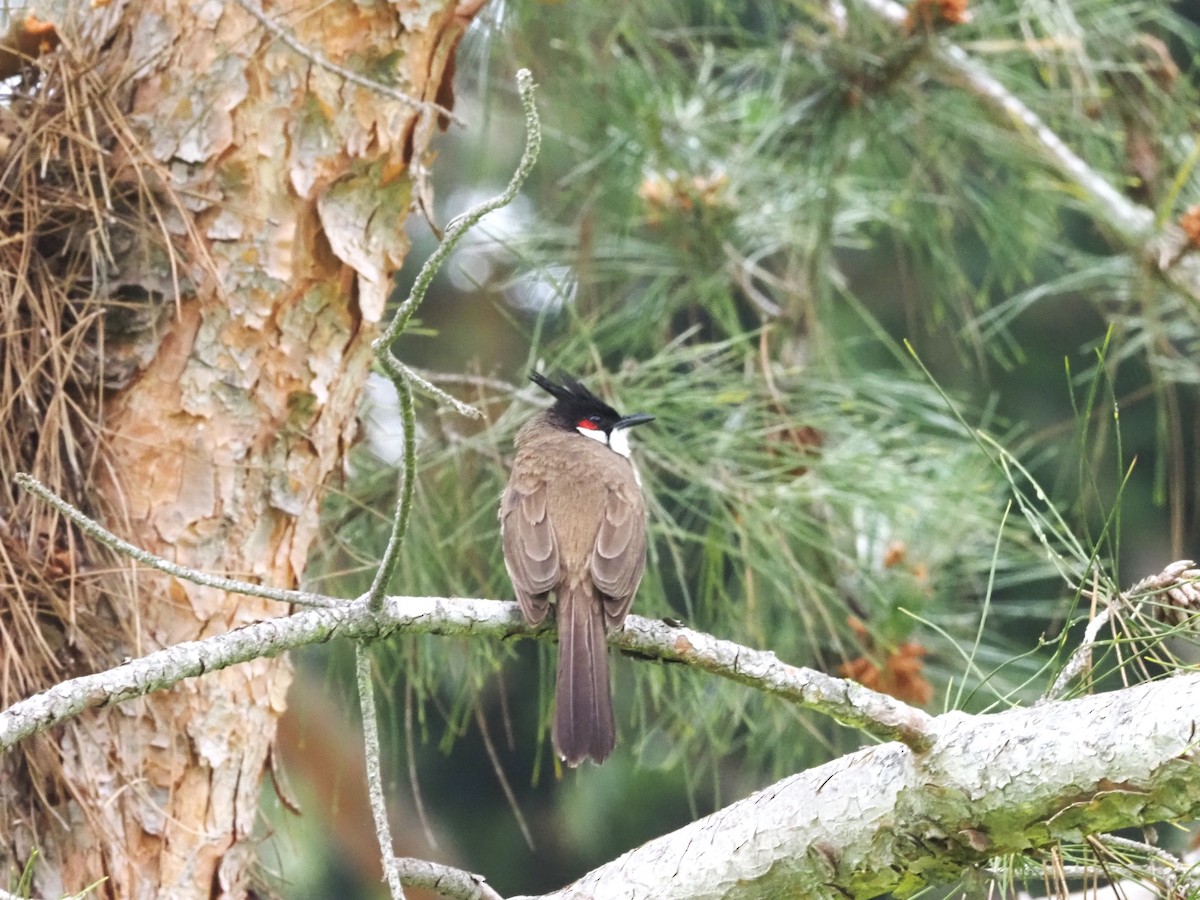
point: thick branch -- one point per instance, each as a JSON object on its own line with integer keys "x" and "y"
{"x": 445, "y": 880}
{"x": 887, "y": 819}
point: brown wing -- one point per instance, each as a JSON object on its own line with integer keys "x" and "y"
{"x": 530, "y": 546}
{"x": 619, "y": 555}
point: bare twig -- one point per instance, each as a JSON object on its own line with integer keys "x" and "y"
{"x": 463, "y": 223}
{"x": 1173, "y": 594}
{"x": 102, "y": 535}
{"x": 429, "y": 389}
{"x": 1112, "y": 841}
{"x": 370, "y": 723}
{"x": 489, "y": 747}
{"x": 744, "y": 270}
{"x": 482, "y": 382}
{"x": 1132, "y": 222}
{"x": 398, "y": 372}
{"x": 1081, "y": 659}
{"x": 411, "y": 752}
{"x": 408, "y": 478}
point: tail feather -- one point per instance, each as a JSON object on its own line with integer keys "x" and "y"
{"x": 583, "y": 710}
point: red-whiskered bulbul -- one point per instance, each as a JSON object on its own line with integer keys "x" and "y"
{"x": 573, "y": 523}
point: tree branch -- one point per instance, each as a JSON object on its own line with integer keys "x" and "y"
{"x": 398, "y": 372}
{"x": 891, "y": 819}
{"x": 445, "y": 880}
{"x": 370, "y": 723}
{"x": 846, "y": 701}
{"x": 102, "y": 535}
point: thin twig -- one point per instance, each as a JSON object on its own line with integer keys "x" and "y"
{"x": 1172, "y": 871}
{"x": 429, "y": 389}
{"x": 286, "y": 37}
{"x": 102, "y": 535}
{"x": 1170, "y": 860}
{"x": 370, "y": 726}
{"x": 399, "y": 373}
{"x": 482, "y": 382}
{"x": 408, "y": 478}
{"x": 460, "y": 225}
{"x": 1081, "y": 659}
{"x": 1132, "y": 222}
{"x": 744, "y": 270}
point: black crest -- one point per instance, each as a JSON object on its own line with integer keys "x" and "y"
{"x": 573, "y": 401}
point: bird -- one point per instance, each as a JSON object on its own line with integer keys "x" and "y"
{"x": 573, "y": 526}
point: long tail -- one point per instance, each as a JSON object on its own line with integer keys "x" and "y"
{"x": 583, "y": 710}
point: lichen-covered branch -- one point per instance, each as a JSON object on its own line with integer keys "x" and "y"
{"x": 102, "y": 535}
{"x": 375, "y": 790}
{"x": 888, "y": 819}
{"x": 846, "y": 701}
{"x": 397, "y": 371}
{"x": 445, "y": 880}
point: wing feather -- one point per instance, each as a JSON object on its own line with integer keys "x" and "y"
{"x": 530, "y": 547}
{"x": 619, "y": 554}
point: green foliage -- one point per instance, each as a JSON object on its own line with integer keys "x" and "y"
{"x": 748, "y": 206}
{"x": 754, "y": 204}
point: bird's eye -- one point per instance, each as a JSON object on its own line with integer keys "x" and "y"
{"x": 592, "y": 423}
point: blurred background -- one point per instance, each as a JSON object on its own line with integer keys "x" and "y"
{"x": 916, "y": 392}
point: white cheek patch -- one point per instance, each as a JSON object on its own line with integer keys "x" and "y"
{"x": 618, "y": 440}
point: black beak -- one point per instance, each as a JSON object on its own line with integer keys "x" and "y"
{"x": 635, "y": 419}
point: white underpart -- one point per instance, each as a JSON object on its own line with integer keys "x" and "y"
{"x": 617, "y": 440}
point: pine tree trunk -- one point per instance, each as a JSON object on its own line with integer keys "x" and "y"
{"x": 284, "y": 188}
